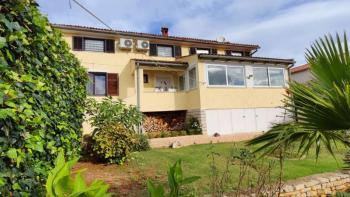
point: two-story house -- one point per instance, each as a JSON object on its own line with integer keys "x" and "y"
{"x": 170, "y": 78}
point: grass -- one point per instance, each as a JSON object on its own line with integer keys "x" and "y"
{"x": 196, "y": 162}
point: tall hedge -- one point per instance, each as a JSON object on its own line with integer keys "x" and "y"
{"x": 42, "y": 94}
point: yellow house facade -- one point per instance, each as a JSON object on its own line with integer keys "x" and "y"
{"x": 222, "y": 84}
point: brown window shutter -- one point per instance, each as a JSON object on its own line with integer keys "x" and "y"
{"x": 113, "y": 84}
{"x": 192, "y": 50}
{"x": 109, "y": 46}
{"x": 214, "y": 51}
{"x": 177, "y": 50}
{"x": 228, "y": 52}
{"x": 78, "y": 43}
{"x": 153, "y": 49}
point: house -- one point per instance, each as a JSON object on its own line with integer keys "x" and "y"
{"x": 172, "y": 78}
{"x": 301, "y": 73}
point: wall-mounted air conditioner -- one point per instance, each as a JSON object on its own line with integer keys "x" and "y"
{"x": 142, "y": 44}
{"x": 125, "y": 43}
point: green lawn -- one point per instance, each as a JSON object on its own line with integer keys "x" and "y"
{"x": 196, "y": 162}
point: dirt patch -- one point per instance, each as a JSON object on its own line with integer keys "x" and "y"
{"x": 124, "y": 180}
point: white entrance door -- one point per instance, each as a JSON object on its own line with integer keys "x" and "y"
{"x": 163, "y": 82}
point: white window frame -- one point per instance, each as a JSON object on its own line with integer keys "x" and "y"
{"x": 284, "y": 80}
{"x": 268, "y": 77}
{"x": 227, "y": 85}
{"x": 187, "y": 77}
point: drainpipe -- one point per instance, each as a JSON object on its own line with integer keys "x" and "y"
{"x": 138, "y": 103}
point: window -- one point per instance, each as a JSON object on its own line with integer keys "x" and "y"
{"x": 182, "y": 83}
{"x": 226, "y": 75}
{"x": 235, "y": 76}
{"x": 165, "y": 51}
{"x": 192, "y": 78}
{"x": 276, "y": 76}
{"x": 202, "y": 51}
{"x": 102, "y": 84}
{"x": 145, "y": 78}
{"x": 260, "y": 76}
{"x": 97, "y": 84}
{"x": 217, "y": 75}
{"x": 93, "y": 44}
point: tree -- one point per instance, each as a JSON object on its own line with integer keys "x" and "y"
{"x": 42, "y": 96}
{"x": 321, "y": 108}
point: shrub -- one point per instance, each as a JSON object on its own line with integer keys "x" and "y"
{"x": 193, "y": 126}
{"x": 109, "y": 112}
{"x": 113, "y": 143}
{"x": 141, "y": 143}
{"x": 60, "y": 181}
{"x": 42, "y": 95}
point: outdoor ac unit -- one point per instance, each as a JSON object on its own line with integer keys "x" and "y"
{"x": 125, "y": 43}
{"x": 142, "y": 44}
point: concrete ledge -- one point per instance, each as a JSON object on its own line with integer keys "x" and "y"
{"x": 200, "y": 139}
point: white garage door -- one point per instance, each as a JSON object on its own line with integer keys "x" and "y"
{"x": 230, "y": 121}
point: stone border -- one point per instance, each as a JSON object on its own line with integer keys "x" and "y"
{"x": 199, "y": 139}
{"x": 325, "y": 184}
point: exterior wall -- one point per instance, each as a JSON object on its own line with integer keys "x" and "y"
{"x": 302, "y": 76}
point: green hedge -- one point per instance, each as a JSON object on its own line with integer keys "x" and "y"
{"x": 42, "y": 94}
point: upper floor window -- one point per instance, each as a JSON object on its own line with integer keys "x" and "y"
{"x": 194, "y": 50}
{"x": 233, "y": 53}
{"x": 164, "y": 50}
{"x": 222, "y": 75}
{"x": 93, "y": 44}
{"x": 264, "y": 76}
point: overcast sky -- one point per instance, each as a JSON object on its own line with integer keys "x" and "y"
{"x": 283, "y": 28}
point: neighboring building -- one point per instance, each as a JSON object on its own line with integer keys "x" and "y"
{"x": 301, "y": 73}
{"x": 171, "y": 78}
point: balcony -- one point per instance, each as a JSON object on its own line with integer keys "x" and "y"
{"x": 163, "y": 101}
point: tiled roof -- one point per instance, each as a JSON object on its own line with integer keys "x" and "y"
{"x": 245, "y": 58}
{"x": 299, "y": 68}
{"x": 157, "y": 36}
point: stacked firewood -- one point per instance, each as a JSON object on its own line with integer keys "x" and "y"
{"x": 164, "y": 121}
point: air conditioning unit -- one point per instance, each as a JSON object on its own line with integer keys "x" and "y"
{"x": 142, "y": 44}
{"x": 125, "y": 43}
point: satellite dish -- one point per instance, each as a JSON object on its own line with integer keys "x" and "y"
{"x": 221, "y": 39}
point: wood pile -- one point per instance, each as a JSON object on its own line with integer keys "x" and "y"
{"x": 164, "y": 121}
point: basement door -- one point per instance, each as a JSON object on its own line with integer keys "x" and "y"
{"x": 231, "y": 121}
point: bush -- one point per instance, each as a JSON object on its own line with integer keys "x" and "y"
{"x": 193, "y": 126}
{"x": 61, "y": 182}
{"x": 141, "y": 143}
{"x": 42, "y": 95}
{"x": 109, "y": 112}
{"x": 113, "y": 143}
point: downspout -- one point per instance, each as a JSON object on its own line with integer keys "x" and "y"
{"x": 138, "y": 105}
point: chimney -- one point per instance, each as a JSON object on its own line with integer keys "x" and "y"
{"x": 164, "y": 31}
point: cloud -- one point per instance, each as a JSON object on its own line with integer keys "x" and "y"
{"x": 283, "y": 28}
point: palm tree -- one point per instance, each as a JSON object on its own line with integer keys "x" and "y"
{"x": 320, "y": 109}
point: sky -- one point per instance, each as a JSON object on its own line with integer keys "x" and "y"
{"x": 282, "y": 28}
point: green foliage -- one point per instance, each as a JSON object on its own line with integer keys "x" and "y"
{"x": 108, "y": 112}
{"x": 113, "y": 143}
{"x": 141, "y": 143}
{"x": 42, "y": 95}
{"x": 60, "y": 181}
{"x": 321, "y": 108}
{"x": 175, "y": 181}
{"x": 193, "y": 126}
{"x": 342, "y": 194}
